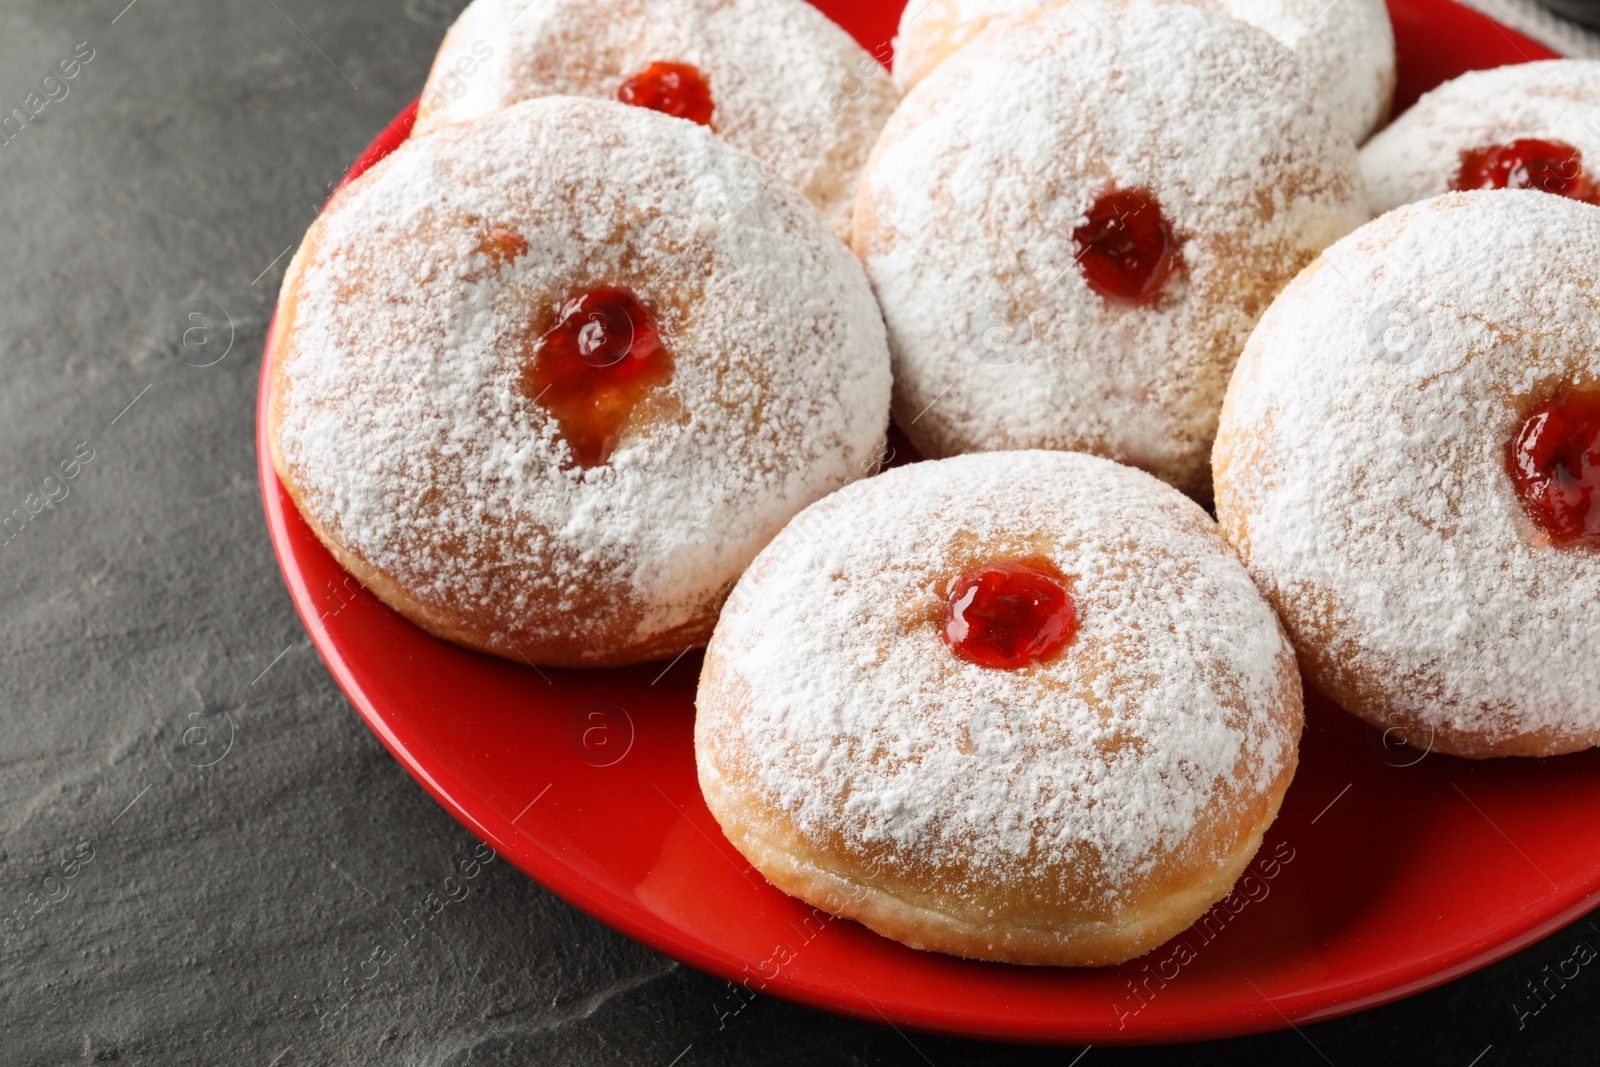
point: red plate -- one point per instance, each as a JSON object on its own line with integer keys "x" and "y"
{"x": 1390, "y": 871}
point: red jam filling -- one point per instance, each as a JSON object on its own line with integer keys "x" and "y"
{"x": 1009, "y": 614}
{"x": 675, "y": 89}
{"x": 1528, "y": 163}
{"x": 602, "y": 357}
{"x": 1554, "y": 463}
{"x": 1126, "y": 249}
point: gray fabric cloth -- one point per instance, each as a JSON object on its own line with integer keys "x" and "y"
{"x": 203, "y": 847}
{"x": 1543, "y": 25}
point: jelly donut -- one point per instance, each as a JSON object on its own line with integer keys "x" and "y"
{"x": 547, "y": 381}
{"x": 775, "y": 78}
{"x": 1409, "y": 465}
{"x": 1071, "y": 256}
{"x": 1016, "y": 706}
{"x": 1526, "y": 126}
{"x": 1346, "y": 46}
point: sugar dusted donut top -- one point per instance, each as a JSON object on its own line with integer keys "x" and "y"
{"x": 1347, "y": 46}
{"x": 789, "y": 87}
{"x": 933, "y": 30}
{"x": 400, "y": 412}
{"x": 1170, "y": 709}
{"x": 1421, "y": 153}
{"x": 1361, "y": 466}
{"x": 969, "y": 207}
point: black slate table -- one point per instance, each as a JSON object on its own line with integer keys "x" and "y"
{"x": 199, "y": 840}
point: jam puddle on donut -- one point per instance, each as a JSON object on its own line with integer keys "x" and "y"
{"x": 594, "y": 366}
{"x": 1554, "y": 463}
{"x": 1126, "y": 249}
{"x": 1528, "y": 163}
{"x": 676, "y": 89}
{"x": 1009, "y": 614}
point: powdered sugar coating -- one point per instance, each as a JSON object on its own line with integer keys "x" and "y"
{"x": 1176, "y": 703}
{"x": 790, "y": 87}
{"x": 1347, "y": 46}
{"x": 972, "y": 196}
{"x": 931, "y": 31}
{"x": 1420, "y": 154}
{"x": 406, "y": 431}
{"x": 1360, "y": 470}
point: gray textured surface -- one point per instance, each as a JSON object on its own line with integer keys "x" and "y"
{"x": 224, "y": 905}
